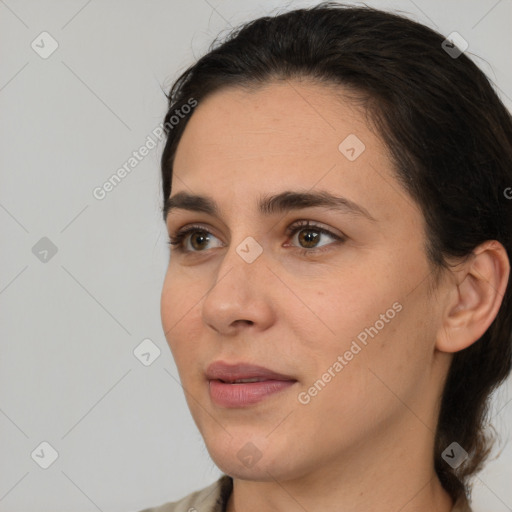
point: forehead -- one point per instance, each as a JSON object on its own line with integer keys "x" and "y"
{"x": 283, "y": 127}
{"x": 239, "y": 144}
{"x": 281, "y": 116}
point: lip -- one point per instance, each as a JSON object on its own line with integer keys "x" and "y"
{"x": 219, "y": 370}
{"x": 225, "y": 393}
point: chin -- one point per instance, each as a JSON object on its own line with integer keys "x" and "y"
{"x": 250, "y": 460}
{"x": 255, "y": 474}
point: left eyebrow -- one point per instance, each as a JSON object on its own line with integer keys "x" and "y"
{"x": 268, "y": 205}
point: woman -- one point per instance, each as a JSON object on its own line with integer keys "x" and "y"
{"x": 335, "y": 183}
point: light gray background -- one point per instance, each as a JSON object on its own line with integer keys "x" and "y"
{"x": 69, "y": 326}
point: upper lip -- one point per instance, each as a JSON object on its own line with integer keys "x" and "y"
{"x": 219, "y": 370}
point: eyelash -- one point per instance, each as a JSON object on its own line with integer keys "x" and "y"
{"x": 180, "y": 236}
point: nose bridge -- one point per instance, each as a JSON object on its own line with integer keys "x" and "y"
{"x": 241, "y": 262}
{"x": 237, "y": 293}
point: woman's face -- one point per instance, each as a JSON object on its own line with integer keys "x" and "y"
{"x": 345, "y": 314}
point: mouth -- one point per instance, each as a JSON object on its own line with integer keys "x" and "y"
{"x": 242, "y": 381}
{"x": 242, "y": 384}
{"x": 238, "y": 372}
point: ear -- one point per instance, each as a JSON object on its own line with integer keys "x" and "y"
{"x": 475, "y": 297}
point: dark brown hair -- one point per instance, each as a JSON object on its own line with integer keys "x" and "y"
{"x": 450, "y": 138}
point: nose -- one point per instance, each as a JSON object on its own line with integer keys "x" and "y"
{"x": 240, "y": 295}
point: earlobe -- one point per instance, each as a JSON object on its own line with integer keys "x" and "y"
{"x": 477, "y": 296}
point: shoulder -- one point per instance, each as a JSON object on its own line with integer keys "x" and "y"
{"x": 210, "y": 499}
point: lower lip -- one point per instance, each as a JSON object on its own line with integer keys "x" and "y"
{"x": 240, "y": 395}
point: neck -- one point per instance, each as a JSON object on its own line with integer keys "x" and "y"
{"x": 395, "y": 475}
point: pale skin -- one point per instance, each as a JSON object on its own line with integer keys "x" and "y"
{"x": 365, "y": 442}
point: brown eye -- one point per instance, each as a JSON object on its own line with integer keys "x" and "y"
{"x": 308, "y": 237}
{"x": 198, "y": 237}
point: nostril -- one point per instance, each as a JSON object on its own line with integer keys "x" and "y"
{"x": 248, "y": 322}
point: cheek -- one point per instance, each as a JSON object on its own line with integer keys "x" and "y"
{"x": 349, "y": 302}
{"x": 179, "y": 308}
{"x": 372, "y": 321}
{"x": 358, "y": 385}
{"x": 168, "y": 304}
